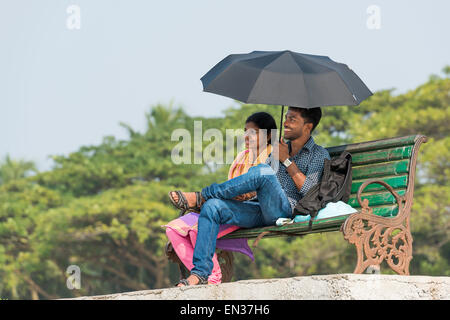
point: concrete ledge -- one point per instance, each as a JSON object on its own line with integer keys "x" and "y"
{"x": 320, "y": 287}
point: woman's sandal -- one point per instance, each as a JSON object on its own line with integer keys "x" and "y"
{"x": 182, "y": 202}
{"x": 185, "y": 282}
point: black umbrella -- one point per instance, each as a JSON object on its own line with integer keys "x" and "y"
{"x": 285, "y": 78}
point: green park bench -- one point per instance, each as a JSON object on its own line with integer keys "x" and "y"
{"x": 382, "y": 191}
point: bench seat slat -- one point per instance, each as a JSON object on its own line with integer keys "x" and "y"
{"x": 321, "y": 225}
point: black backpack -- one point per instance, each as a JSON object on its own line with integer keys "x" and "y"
{"x": 335, "y": 185}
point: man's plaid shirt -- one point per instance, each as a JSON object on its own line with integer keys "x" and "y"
{"x": 309, "y": 160}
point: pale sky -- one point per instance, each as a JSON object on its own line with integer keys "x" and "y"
{"x": 62, "y": 88}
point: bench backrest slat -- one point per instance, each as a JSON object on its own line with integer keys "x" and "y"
{"x": 396, "y": 182}
{"x": 377, "y": 198}
{"x": 373, "y": 145}
{"x": 388, "y": 168}
{"x": 368, "y": 157}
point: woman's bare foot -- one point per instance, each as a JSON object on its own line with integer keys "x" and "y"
{"x": 190, "y": 197}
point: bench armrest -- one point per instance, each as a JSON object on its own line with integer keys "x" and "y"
{"x": 365, "y": 203}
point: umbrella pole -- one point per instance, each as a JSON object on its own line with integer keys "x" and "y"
{"x": 281, "y": 122}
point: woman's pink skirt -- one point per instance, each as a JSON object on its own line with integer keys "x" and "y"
{"x": 182, "y": 233}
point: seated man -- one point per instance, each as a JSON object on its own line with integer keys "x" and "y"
{"x": 277, "y": 192}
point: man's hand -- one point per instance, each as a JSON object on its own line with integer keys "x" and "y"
{"x": 283, "y": 151}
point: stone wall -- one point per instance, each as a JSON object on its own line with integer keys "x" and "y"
{"x": 339, "y": 286}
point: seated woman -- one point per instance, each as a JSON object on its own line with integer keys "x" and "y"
{"x": 182, "y": 232}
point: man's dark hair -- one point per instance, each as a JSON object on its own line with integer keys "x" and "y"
{"x": 312, "y": 115}
{"x": 263, "y": 120}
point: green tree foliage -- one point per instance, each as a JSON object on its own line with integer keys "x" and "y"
{"x": 15, "y": 169}
{"x": 102, "y": 207}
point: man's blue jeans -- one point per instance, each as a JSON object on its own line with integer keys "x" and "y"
{"x": 219, "y": 208}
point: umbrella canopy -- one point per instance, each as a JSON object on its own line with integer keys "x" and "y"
{"x": 285, "y": 78}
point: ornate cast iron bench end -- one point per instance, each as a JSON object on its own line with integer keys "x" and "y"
{"x": 380, "y": 238}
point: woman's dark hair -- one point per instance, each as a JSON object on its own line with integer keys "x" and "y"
{"x": 263, "y": 120}
{"x": 312, "y": 115}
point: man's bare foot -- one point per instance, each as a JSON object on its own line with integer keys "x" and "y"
{"x": 193, "y": 280}
{"x": 190, "y": 197}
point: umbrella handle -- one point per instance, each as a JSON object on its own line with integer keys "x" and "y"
{"x": 281, "y": 122}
